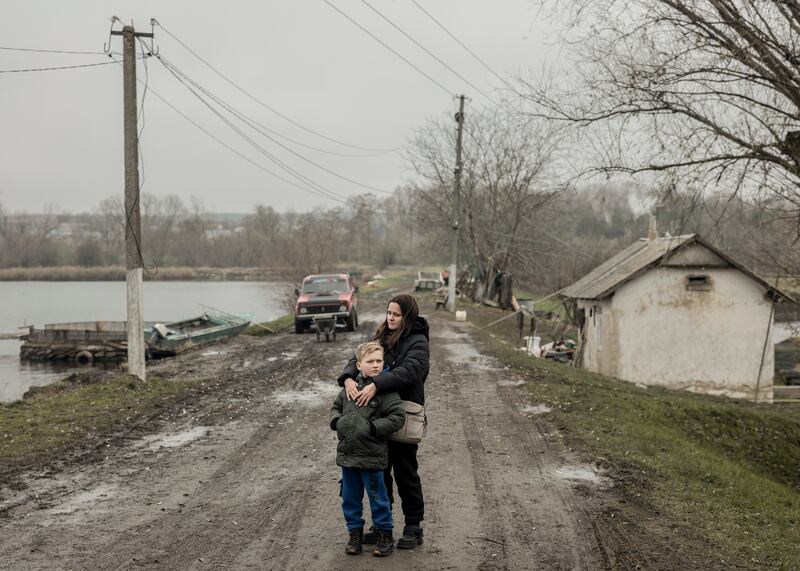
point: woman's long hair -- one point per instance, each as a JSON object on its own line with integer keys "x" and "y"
{"x": 408, "y": 307}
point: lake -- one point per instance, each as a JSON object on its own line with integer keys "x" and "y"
{"x": 37, "y": 303}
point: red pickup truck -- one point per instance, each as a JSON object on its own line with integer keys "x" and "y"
{"x": 326, "y": 296}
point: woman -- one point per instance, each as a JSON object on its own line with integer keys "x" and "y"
{"x": 404, "y": 337}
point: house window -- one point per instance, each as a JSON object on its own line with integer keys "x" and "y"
{"x": 697, "y": 282}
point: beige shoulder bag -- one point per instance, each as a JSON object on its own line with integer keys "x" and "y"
{"x": 414, "y": 427}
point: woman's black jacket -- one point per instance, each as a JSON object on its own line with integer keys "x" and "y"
{"x": 408, "y": 365}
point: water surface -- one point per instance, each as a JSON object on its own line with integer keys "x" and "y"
{"x": 37, "y": 303}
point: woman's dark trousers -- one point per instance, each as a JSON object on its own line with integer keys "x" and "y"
{"x": 403, "y": 464}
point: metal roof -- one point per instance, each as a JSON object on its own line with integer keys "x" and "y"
{"x": 639, "y": 257}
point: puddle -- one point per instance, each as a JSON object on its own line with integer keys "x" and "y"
{"x": 320, "y": 391}
{"x": 212, "y": 353}
{"x": 467, "y": 354}
{"x": 450, "y": 334}
{"x": 85, "y": 499}
{"x": 535, "y": 409}
{"x": 175, "y": 439}
{"x": 578, "y": 473}
{"x": 272, "y": 359}
{"x": 463, "y": 351}
{"x": 289, "y": 355}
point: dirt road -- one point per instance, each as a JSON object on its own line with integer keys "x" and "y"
{"x": 243, "y": 476}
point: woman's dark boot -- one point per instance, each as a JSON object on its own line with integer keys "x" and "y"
{"x": 354, "y": 541}
{"x": 385, "y": 545}
{"x": 412, "y": 536}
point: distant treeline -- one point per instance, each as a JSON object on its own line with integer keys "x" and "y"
{"x": 565, "y": 237}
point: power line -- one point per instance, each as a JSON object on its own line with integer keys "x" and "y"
{"x": 381, "y": 42}
{"x": 55, "y": 68}
{"x": 319, "y": 189}
{"x": 273, "y": 110}
{"x": 8, "y": 48}
{"x": 229, "y": 147}
{"x": 459, "y": 42}
{"x": 427, "y": 51}
{"x": 246, "y": 120}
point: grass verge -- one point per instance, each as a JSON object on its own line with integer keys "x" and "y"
{"x": 282, "y": 323}
{"x": 725, "y": 470}
{"x": 67, "y": 413}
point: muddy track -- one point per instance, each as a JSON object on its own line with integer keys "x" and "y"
{"x": 242, "y": 474}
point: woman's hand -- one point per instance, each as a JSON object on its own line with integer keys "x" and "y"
{"x": 365, "y": 395}
{"x": 350, "y": 389}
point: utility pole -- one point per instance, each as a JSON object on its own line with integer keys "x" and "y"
{"x": 453, "y": 275}
{"x": 133, "y": 224}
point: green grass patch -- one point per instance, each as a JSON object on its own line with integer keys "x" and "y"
{"x": 728, "y": 470}
{"x": 62, "y": 415}
{"x": 391, "y": 279}
{"x": 282, "y": 323}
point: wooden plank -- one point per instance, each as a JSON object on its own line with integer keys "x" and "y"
{"x": 786, "y": 391}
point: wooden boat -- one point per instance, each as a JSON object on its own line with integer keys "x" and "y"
{"x": 167, "y": 339}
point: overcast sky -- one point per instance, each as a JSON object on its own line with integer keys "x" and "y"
{"x": 61, "y": 131}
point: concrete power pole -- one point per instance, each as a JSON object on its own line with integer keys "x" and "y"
{"x": 451, "y": 282}
{"x": 133, "y": 224}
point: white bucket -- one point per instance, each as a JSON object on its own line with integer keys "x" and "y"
{"x": 461, "y": 315}
{"x": 533, "y": 345}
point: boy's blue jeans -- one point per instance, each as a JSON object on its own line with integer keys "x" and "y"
{"x": 354, "y": 481}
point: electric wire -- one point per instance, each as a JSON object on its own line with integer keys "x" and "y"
{"x": 249, "y": 122}
{"x": 384, "y": 44}
{"x": 281, "y": 135}
{"x": 55, "y": 68}
{"x": 226, "y": 145}
{"x": 319, "y": 189}
{"x": 427, "y": 51}
{"x": 268, "y": 107}
{"x": 13, "y": 49}
{"x": 459, "y": 42}
{"x": 140, "y": 116}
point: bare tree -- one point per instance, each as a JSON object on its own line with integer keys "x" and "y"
{"x": 708, "y": 89}
{"x": 506, "y": 181}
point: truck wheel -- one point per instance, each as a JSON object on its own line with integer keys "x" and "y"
{"x": 299, "y": 326}
{"x": 352, "y": 321}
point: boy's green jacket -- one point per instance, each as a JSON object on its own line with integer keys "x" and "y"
{"x": 361, "y": 446}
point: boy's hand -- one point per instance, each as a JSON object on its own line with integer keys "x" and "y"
{"x": 350, "y": 389}
{"x": 365, "y": 395}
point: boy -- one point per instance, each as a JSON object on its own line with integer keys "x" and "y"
{"x": 363, "y": 454}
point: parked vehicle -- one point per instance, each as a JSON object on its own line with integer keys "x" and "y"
{"x": 326, "y": 296}
{"x": 428, "y": 280}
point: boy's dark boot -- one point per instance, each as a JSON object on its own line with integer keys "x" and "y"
{"x": 412, "y": 536}
{"x": 385, "y": 545}
{"x": 354, "y": 541}
{"x": 371, "y": 537}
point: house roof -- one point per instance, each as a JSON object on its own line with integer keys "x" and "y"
{"x": 641, "y": 256}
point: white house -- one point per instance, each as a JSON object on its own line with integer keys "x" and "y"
{"x": 677, "y": 312}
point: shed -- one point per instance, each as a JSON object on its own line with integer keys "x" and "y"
{"x": 677, "y": 312}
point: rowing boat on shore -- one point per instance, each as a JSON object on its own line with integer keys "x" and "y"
{"x": 167, "y": 339}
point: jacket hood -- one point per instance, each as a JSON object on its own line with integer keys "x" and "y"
{"x": 420, "y": 325}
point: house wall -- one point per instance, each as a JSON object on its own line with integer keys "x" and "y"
{"x": 655, "y": 331}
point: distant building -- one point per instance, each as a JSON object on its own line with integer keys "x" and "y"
{"x": 677, "y": 312}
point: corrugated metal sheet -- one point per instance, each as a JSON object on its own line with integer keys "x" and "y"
{"x": 617, "y": 270}
{"x": 610, "y": 275}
